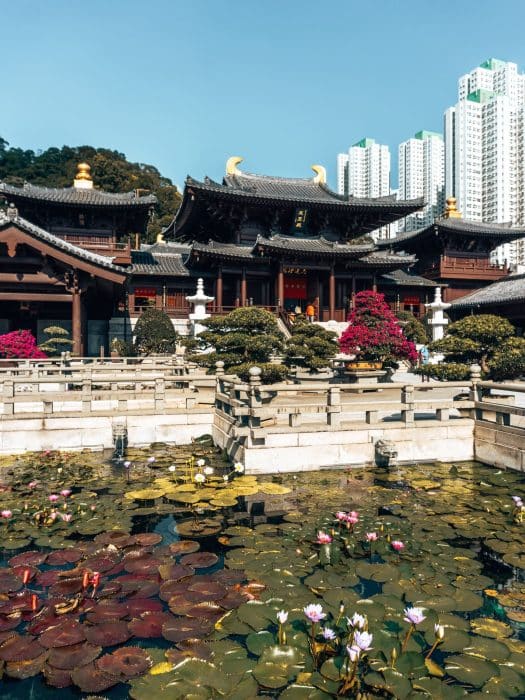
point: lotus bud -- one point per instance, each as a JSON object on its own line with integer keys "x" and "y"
{"x": 393, "y": 656}
{"x": 201, "y": 462}
{"x": 439, "y": 631}
{"x": 34, "y": 602}
{"x": 26, "y": 576}
{"x": 341, "y": 608}
{"x": 85, "y": 580}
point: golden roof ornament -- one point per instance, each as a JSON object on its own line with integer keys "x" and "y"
{"x": 231, "y": 165}
{"x": 451, "y": 211}
{"x": 320, "y": 174}
{"x": 83, "y": 179}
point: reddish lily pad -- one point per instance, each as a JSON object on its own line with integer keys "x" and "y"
{"x": 148, "y": 539}
{"x": 70, "y": 657}
{"x": 101, "y": 563}
{"x": 175, "y": 572}
{"x": 47, "y": 578}
{"x": 149, "y": 625}
{"x": 107, "y": 634}
{"x": 145, "y": 564}
{"x": 11, "y": 621}
{"x": 30, "y": 571}
{"x": 126, "y": 662}
{"x": 26, "y": 668}
{"x": 63, "y": 556}
{"x": 63, "y": 634}
{"x": 106, "y": 611}
{"x": 140, "y": 588}
{"x": 177, "y": 630}
{"x": 115, "y": 537}
{"x": 28, "y": 559}
{"x": 66, "y": 587}
{"x": 207, "y": 610}
{"x": 200, "y": 560}
{"x": 203, "y": 590}
{"x": 138, "y": 606}
{"x": 170, "y": 588}
{"x": 56, "y": 677}
{"x": 9, "y": 581}
{"x": 91, "y": 679}
{"x": 229, "y": 577}
{"x": 18, "y": 648}
{"x": 232, "y": 600}
{"x": 184, "y": 547}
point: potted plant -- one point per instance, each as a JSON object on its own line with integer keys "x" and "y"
{"x": 374, "y": 335}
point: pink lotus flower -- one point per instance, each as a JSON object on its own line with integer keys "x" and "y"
{"x": 414, "y": 615}
{"x": 150, "y": 460}
{"x": 353, "y": 514}
{"x": 357, "y": 621}
{"x": 282, "y": 616}
{"x": 65, "y": 492}
{"x": 53, "y": 498}
{"x": 66, "y": 517}
{"x": 397, "y": 545}
{"x": 314, "y": 612}
{"x": 323, "y": 537}
{"x": 32, "y": 484}
{"x": 354, "y": 653}
{"x": 7, "y": 514}
{"x": 340, "y": 515}
{"x": 351, "y": 519}
{"x": 53, "y": 515}
{"x": 371, "y": 536}
{"x": 328, "y": 634}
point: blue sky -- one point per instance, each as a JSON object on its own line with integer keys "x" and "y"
{"x": 183, "y": 84}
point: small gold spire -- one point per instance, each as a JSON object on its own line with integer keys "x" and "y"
{"x": 320, "y": 174}
{"x": 83, "y": 179}
{"x": 451, "y": 211}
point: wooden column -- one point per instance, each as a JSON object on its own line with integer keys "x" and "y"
{"x": 218, "y": 300}
{"x": 374, "y": 284}
{"x": 243, "y": 287}
{"x": 76, "y": 313}
{"x": 331, "y": 295}
{"x": 280, "y": 288}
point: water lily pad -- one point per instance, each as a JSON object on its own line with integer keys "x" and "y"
{"x": 487, "y": 627}
{"x": 258, "y": 641}
{"x": 70, "y": 657}
{"x": 90, "y": 679}
{"x": 470, "y": 669}
{"x": 125, "y": 663}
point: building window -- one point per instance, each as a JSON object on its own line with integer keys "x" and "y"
{"x": 145, "y": 297}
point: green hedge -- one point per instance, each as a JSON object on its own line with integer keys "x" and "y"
{"x": 449, "y": 372}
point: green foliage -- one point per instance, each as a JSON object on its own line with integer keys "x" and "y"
{"x": 111, "y": 171}
{"x": 247, "y": 335}
{"x": 310, "y": 346}
{"x": 412, "y": 327}
{"x": 270, "y": 373}
{"x": 154, "y": 333}
{"x": 123, "y": 348}
{"x": 447, "y": 371}
{"x": 509, "y": 361}
{"x": 474, "y": 339}
{"x": 57, "y": 341}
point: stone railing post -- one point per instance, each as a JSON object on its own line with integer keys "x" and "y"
{"x": 8, "y": 397}
{"x": 160, "y": 393}
{"x": 87, "y": 391}
{"x": 333, "y": 415}
{"x": 476, "y": 391}
{"x": 407, "y": 398}
{"x": 254, "y": 394}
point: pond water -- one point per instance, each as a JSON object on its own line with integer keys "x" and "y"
{"x": 166, "y": 577}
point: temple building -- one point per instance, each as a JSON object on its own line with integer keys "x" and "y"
{"x": 73, "y": 257}
{"x": 454, "y": 252}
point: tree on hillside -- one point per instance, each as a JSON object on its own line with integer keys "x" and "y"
{"x": 154, "y": 333}
{"x": 111, "y": 171}
{"x": 245, "y": 337}
{"x": 374, "y": 333}
{"x": 310, "y": 346}
{"x": 474, "y": 339}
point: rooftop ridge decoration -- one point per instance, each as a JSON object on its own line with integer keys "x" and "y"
{"x": 83, "y": 179}
{"x": 451, "y": 210}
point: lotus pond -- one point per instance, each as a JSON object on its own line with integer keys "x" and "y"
{"x": 176, "y": 575}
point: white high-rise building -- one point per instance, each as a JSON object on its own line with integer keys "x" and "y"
{"x": 421, "y": 167}
{"x": 484, "y": 148}
{"x": 365, "y": 172}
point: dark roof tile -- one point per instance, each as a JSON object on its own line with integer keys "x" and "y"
{"x": 76, "y": 196}
{"x": 506, "y": 291}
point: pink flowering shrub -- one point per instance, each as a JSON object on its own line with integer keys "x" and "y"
{"x": 374, "y": 332}
{"x": 20, "y": 345}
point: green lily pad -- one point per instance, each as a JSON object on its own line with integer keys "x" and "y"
{"x": 471, "y": 669}
{"x": 258, "y": 641}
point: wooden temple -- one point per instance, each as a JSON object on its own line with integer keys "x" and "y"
{"x": 72, "y": 257}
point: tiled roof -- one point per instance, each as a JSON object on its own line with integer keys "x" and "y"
{"x": 459, "y": 226}
{"x": 505, "y": 291}
{"x": 314, "y": 246}
{"x": 401, "y": 278}
{"x": 380, "y": 257}
{"x": 56, "y": 242}
{"x": 229, "y": 250}
{"x": 76, "y": 196}
{"x": 298, "y": 190}
{"x": 154, "y": 260}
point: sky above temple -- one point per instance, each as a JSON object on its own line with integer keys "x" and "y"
{"x": 284, "y": 83}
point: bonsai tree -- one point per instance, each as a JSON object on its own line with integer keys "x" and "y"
{"x": 484, "y": 339}
{"x": 154, "y": 333}
{"x": 413, "y": 328}
{"x": 310, "y": 346}
{"x": 245, "y": 337}
{"x": 20, "y": 345}
{"x": 474, "y": 339}
{"x": 58, "y": 339}
{"x": 374, "y": 333}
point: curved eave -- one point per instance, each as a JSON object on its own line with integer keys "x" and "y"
{"x": 56, "y": 197}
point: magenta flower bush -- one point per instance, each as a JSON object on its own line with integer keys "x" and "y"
{"x": 374, "y": 332}
{"x": 20, "y": 345}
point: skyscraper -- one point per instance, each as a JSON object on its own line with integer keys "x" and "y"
{"x": 421, "y": 168}
{"x": 484, "y": 147}
{"x": 365, "y": 172}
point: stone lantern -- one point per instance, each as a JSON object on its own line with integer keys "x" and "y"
{"x": 437, "y": 320}
{"x": 199, "y": 301}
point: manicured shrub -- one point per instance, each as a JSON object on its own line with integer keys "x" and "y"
{"x": 154, "y": 333}
{"x": 446, "y": 371}
{"x": 270, "y": 374}
{"x": 310, "y": 346}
